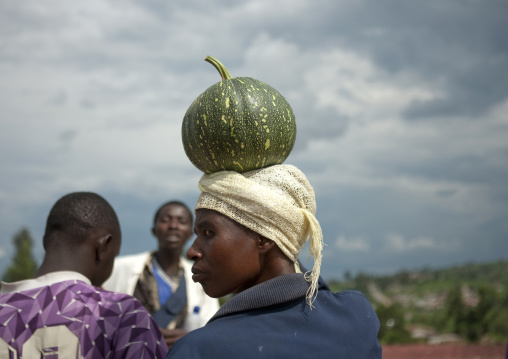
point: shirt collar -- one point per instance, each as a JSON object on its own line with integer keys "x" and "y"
{"x": 42, "y": 281}
{"x": 278, "y": 290}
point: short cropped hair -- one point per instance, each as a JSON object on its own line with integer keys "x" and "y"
{"x": 173, "y": 203}
{"x": 76, "y": 215}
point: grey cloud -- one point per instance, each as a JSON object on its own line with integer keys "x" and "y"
{"x": 59, "y": 99}
{"x": 87, "y": 104}
{"x": 465, "y": 168}
{"x": 317, "y": 123}
{"x": 470, "y": 93}
{"x": 22, "y": 18}
{"x": 446, "y": 192}
{"x": 66, "y": 137}
{"x": 459, "y": 46}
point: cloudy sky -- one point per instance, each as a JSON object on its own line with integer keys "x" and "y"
{"x": 401, "y": 108}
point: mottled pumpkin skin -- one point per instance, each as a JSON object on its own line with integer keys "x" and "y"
{"x": 238, "y": 124}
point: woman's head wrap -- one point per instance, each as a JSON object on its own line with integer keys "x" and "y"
{"x": 276, "y": 202}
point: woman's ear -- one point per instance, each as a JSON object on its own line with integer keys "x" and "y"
{"x": 265, "y": 244}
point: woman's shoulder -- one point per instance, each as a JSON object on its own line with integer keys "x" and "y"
{"x": 346, "y": 297}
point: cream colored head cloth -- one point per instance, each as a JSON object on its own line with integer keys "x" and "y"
{"x": 276, "y": 202}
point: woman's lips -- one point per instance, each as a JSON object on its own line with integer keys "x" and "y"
{"x": 197, "y": 275}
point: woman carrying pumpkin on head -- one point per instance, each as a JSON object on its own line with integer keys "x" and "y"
{"x": 250, "y": 230}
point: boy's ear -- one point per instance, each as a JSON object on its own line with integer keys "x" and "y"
{"x": 103, "y": 244}
{"x": 265, "y": 244}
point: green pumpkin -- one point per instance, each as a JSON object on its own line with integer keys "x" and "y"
{"x": 239, "y": 124}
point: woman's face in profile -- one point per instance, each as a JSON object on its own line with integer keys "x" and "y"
{"x": 225, "y": 254}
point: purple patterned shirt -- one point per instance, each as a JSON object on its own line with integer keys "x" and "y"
{"x": 61, "y": 315}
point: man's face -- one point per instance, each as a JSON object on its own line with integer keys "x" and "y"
{"x": 225, "y": 254}
{"x": 173, "y": 227}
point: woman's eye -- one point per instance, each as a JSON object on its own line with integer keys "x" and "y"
{"x": 208, "y": 233}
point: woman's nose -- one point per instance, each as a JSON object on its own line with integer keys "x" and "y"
{"x": 193, "y": 254}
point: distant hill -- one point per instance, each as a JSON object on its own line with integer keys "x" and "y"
{"x": 428, "y": 280}
{"x": 459, "y": 303}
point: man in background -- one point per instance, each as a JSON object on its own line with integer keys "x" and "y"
{"x": 162, "y": 279}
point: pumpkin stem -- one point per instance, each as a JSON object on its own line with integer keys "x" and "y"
{"x": 220, "y": 67}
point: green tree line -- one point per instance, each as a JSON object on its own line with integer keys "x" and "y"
{"x": 23, "y": 264}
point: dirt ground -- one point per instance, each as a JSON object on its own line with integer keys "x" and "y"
{"x": 444, "y": 351}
